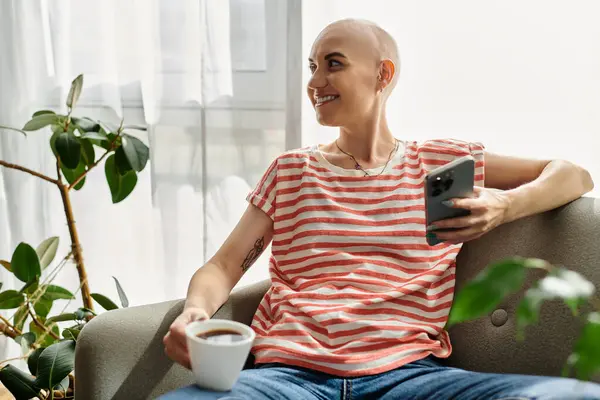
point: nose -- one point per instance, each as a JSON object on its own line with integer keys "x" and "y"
{"x": 318, "y": 80}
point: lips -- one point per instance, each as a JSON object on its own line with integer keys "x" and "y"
{"x": 322, "y": 100}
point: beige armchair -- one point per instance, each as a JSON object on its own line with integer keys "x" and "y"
{"x": 120, "y": 353}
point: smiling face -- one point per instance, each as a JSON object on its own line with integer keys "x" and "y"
{"x": 347, "y": 74}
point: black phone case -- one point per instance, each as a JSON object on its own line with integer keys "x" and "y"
{"x": 453, "y": 180}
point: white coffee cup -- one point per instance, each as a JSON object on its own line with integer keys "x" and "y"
{"x": 216, "y": 364}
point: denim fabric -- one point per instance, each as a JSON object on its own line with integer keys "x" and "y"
{"x": 423, "y": 379}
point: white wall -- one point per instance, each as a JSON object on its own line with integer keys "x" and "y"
{"x": 521, "y": 76}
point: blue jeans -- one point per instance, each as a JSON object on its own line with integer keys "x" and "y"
{"x": 423, "y": 379}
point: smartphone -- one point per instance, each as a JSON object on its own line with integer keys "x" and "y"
{"x": 453, "y": 180}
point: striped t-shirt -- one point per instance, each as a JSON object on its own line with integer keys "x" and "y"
{"x": 356, "y": 290}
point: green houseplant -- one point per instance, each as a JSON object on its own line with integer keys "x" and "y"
{"x": 482, "y": 295}
{"x": 47, "y": 345}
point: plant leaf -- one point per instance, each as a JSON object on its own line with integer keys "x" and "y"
{"x": 25, "y": 340}
{"x": 73, "y": 332}
{"x": 482, "y": 295}
{"x": 21, "y": 317}
{"x": 135, "y": 127}
{"x": 53, "y": 138}
{"x": 528, "y": 311}
{"x": 83, "y": 313}
{"x": 55, "y": 363}
{"x": 136, "y": 151}
{"x": 61, "y": 318}
{"x": 44, "y": 339}
{"x": 40, "y": 122}
{"x": 72, "y": 174}
{"x": 128, "y": 182}
{"x": 54, "y": 292}
{"x": 105, "y": 144}
{"x": 95, "y": 136}
{"x": 574, "y": 304}
{"x": 88, "y": 154}
{"x": 69, "y": 149}
{"x": 43, "y": 306}
{"x": 11, "y": 299}
{"x": 46, "y": 251}
{"x": 20, "y": 384}
{"x": 122, "y": 295}
{"x": 122, "y": 162}
{"x": 586, "y": 357}
{"x": 120, "y": 186}
{"x": 13, "y": 129}
{"x": 86, "y": 124}
{"x": 32, "y": 360}
{"x": 75, "y": 91}
{"x": 57, "y": 128}
{"x": 6, "y": 265}
{"x": 30, "y": 287}
{"x": 25, "y": 263}
{"x": 104, "y": 301}
{"x": 42, "y": 112}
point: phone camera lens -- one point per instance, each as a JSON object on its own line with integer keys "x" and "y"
{"x": 448, "y": 184}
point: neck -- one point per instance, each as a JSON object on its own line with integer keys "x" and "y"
{"x": 371, "y": 142}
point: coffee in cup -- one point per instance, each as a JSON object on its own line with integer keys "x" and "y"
{"x": 218, "y": 351}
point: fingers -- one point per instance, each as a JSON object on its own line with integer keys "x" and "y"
{"x": 453, "y": 223}
{"x": 175, "y": 341}
{"x": 460, "y": 235}
{"x": 175, "y": 351}
{"x": 471, "y": 203}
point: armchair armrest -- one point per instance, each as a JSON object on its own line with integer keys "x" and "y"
{"x": 120, "y": 354}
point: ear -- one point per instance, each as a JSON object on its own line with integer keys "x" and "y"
{"x": 387, "y": 70}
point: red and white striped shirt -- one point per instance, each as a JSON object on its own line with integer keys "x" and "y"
{"x": 356, "y": 290}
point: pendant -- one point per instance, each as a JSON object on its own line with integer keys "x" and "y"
{"x": 357, "y": 166}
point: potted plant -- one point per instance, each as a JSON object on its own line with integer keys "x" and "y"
{"x": 48, "y": 348}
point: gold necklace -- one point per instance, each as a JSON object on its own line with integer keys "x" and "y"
{"x": 359, "y": 167}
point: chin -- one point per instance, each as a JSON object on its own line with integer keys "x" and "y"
{"x": 328, "y": 120}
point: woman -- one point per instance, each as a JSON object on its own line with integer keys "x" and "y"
{"x": 358, "y": 299}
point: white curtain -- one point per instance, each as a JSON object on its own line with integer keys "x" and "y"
{"x": 523, "y": 77}
{"x": 209, "y": 84}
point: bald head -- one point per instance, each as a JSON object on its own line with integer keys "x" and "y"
{"x": 381, "y": 44}
{"x": 354, "y": 67}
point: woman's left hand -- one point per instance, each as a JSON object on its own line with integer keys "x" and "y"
{"x": 488, "y": 210}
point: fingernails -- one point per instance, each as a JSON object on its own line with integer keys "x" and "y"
{"x": 448, "y": 203}
{"x": 432, "y": 228}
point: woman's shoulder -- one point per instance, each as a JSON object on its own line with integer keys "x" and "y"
{"x": 296, "y": 155}
{"x": 450, "y": 146}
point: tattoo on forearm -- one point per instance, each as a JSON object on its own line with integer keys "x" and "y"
{"x": 256, "y": 251}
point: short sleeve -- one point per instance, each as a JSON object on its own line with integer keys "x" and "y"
{"x": 263, "y": 195}
{"x": 477, "y": 152}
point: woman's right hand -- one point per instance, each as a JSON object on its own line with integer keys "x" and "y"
{"x": 175, "y": 340}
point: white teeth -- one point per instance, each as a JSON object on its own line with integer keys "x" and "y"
{"x": 321, "y": 100}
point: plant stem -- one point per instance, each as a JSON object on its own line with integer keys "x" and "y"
{"x": 13, "y": 359}
{"x": 80, "y": 177}
{"x": 7, "y": 330}
{"x": 76, "y": 247}
{"x": 58, "y": 174}
{"x": 11, "y": 326}
{"x": 34, "y": 173}
{"x": 42, "y": 326}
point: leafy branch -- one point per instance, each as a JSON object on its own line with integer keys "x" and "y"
{"x": 46, "y": 343}
{"x": 29, "y": 171}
